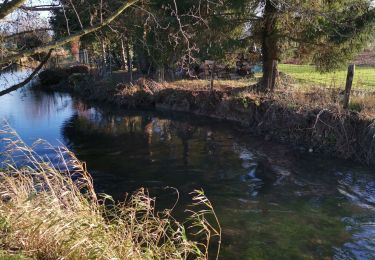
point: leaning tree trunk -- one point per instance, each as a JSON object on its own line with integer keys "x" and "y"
{"x": 270, "y": 53}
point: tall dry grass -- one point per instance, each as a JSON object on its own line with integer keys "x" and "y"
{"x": 49, "y": 210}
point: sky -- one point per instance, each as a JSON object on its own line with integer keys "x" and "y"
{"x": 45, "y": 14}
{"x": 41, "y": 2}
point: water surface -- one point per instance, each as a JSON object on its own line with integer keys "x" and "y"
{"x": 273, "y": 202}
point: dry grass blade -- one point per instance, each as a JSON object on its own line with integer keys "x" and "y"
{"x": 201, "y": 224}
{"x": 49, "y": 210}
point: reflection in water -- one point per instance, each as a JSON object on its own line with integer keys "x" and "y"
{"x": 272, "y": 204}
{"x": 12, "y": 76}
{"x": 42, "y": 105}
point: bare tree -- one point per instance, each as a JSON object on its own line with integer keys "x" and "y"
{"x": 9, "y": 7}
{"x": 72, "y": 37}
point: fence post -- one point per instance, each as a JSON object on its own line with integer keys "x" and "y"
{"x": 212, "y": 76}
{"x": 348, "y": 86}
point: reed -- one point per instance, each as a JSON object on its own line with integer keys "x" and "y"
{"x": 49, "y": 210}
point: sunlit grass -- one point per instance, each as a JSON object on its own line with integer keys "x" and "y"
{"x": 218, "y": 84}
{"x": 301, "y": 76}
{"x": 307, "y": 75}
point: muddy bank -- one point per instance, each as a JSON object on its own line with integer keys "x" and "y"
{"x": 310, "y": 124}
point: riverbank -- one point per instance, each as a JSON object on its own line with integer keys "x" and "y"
{"x": 311, "y": 120}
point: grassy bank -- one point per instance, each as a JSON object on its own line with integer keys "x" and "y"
{"x": 307, "y": 76}
{"x": 51, "y": 211}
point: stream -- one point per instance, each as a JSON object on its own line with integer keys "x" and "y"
{"x": 273, "y": 202}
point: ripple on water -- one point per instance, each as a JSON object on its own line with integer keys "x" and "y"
{"x": 362, "y": 244}
{"x": 359, "y": 189}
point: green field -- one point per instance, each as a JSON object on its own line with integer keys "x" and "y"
{"x": 306, "y": 75}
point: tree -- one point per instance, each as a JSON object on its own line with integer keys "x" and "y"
{"x": 9, "y": 6}
{"x": 327, "y": 33}
{"x": 64, "y": 40}
{"x": 163, "y": 34}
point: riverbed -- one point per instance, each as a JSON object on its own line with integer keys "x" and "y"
{"x": 274, "y": 202}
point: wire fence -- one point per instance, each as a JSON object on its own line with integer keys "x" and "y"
{"x": 307, "y": 76}
{"x": 100, "y": 65}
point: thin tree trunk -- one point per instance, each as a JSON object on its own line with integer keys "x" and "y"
{"x": 104, "y": 52}
{"x": 129, "y": 60}
{"x": 123, "y": 55}
{"x": 104, "y": 59}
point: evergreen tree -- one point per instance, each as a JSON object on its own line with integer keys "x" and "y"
{"x": 163, "y": 33}
{"x": 327, "y": 33}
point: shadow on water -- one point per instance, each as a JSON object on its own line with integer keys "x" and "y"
{"x": 273, "y": 203}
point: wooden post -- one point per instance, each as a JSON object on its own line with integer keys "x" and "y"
{"x": 87, "y": 57}
{"x": 348, "y": 86}
{"x": 212, "y": 76}
{"x": 206, "y": 70}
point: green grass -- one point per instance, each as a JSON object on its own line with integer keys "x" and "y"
{"x": 306, "y": 75}
{"x": 7, "y": 256}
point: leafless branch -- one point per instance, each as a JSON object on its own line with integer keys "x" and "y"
{"x": 8, "y": 7}
{"x": 29, "y": 78}
{"x": 70, "y": 38}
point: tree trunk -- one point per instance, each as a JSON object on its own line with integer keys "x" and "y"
{"x": 123, "y": 55}
{"x": 104, "y": 60}
{"x": 270, "y": 52}
{"x": 104, "y": 53}
{"x": 129, "y": 60}
{"x": 75, "y": 49}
